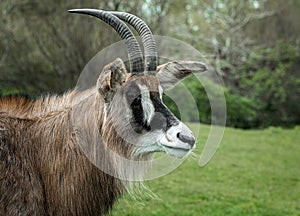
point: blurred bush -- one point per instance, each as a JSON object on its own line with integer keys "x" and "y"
{"x": 254, "y": 46}
{"x": 272, "y": 82}
{"x": 267, "y": 94}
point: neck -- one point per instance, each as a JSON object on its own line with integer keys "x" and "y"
{"x": 68, "y": 133}
{"x": 72, "y": 182}
{"x": 48, "y": 131}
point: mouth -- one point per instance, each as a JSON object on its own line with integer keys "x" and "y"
{"x": 176, "y": 151}
{"x": 170, "y": 145}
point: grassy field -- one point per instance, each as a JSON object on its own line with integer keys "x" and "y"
{"x": 254, "y": 172}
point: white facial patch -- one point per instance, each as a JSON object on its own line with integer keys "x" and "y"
{"x": 160, "y": 92}
{"x": 147, "y": 105}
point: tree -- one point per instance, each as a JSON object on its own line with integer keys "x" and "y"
{"x": 43, "y": 49}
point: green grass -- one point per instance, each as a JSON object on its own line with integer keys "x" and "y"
{"x": 254, "y": 172}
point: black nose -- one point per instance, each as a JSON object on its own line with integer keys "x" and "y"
{"x": 186, "y": 139}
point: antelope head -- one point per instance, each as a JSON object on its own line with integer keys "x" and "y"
{"x": 134, "y": 110}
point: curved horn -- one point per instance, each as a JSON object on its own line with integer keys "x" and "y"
{"x": 134, "y": 52}
{"x": 151, "y": 60}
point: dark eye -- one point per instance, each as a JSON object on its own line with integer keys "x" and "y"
{"x": 137, "y": 109}
{"x": 137, "y": 122}
{"x": 136, "y": 103}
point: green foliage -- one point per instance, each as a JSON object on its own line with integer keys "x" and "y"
{"x": 240, "y": 111}
{"x": 254, "y": 173}
{"x": 200, "y": 95}
{"x": 4, "y": 92}
{"x": 200, "y": 99}
{"x": 272, "y": 83}
{"x": 268, "y": 92}
{"x": 43, "y": 49}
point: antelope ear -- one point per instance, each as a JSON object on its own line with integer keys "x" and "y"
{"x": 172, "y": 72}
{"x": 111, "y": 78}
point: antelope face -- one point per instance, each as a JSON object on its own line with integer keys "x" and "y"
{"x": 134, "y": 105}
{"x": 156, "y": 127}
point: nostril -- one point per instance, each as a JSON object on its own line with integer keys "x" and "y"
{"x": 186, "y": 138}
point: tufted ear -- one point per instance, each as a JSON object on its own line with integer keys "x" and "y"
{"x": 111, "y": 78}
{"x": 172, "y": 72}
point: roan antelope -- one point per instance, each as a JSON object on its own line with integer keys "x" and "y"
{"x": 44, "y": 169}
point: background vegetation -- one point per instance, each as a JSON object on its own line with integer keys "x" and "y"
{"x": 252, "y": 44}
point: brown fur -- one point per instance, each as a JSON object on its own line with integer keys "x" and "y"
{"x": 44, "y": 170}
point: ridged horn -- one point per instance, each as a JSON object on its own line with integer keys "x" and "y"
{"x": 135, "y": 55}
{"x": 151, "y": 60}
